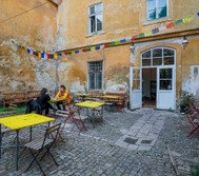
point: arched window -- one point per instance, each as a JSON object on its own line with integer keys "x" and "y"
{"x": 158, "y": 57}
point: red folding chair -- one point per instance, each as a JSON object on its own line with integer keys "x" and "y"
{"x": 71, "y": 115}
{"x": 193, "y": 118}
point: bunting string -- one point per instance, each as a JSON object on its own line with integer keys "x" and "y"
{"x": 162, "y": 28}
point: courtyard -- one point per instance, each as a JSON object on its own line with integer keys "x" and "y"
{"x": 131, "y": 143}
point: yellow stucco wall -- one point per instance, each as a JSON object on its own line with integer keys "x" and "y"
{"x": 35, "y": 28}
{"x": 122, "y": 19}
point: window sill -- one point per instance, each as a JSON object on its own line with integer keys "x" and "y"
{"x": 157, "y": 21}
{"x": 95, "y": 34}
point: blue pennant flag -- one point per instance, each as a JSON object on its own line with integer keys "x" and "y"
{"x": 123, "y": 41}
{"x": 43, "y": 55}
{"x": 30, "y": 51}
{"x": 77, "y": 51}
{"x": 198, "y": 14}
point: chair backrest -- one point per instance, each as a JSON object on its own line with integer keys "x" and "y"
{"x": 51, "y": 132}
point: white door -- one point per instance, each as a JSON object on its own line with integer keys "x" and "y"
{"x": 166, "y": 88}
{"x": 135, "y": 88}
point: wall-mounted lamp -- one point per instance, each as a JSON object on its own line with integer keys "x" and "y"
{"x": 185, "y": 42}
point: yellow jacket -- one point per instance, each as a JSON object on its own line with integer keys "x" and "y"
{"x": 61, "y": 97}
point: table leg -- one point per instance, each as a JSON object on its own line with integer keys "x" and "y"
{"x": 30, "y": 138}
{"x": 17, "y": 151}
{"x": 0, "y": 140}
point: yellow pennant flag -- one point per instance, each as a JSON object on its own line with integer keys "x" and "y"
{"x": 188, "y": 19}
{"x": 39, "y": 55}
{"x": 55, "y": 56}
{"x": 147, "y": 34}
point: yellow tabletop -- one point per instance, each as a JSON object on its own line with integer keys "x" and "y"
{"x": 90, "y": 104}
{"x": 22, "y": 121}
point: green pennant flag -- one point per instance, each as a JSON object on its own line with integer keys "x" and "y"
{"x": 178, "y": 21}
{"x": 117, "y": 42}
{"x": 141, "y": 35}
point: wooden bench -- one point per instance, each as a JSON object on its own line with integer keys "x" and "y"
{"x": 117, "y": 98}
{"x": 13, "y": 98}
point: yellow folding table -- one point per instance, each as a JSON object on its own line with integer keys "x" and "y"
{"x": 18, "y": 122}
{"x": 93, "y": 106}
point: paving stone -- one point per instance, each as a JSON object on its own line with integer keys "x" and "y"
{"x": 96, "y": 153}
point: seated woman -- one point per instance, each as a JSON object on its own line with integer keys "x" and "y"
{"x": 40, "y": 104}
{"x": 61, "y": 97}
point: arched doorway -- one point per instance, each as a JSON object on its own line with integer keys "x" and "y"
{"x": 153, "y": 84}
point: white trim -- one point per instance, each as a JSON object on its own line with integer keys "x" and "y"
{"x": 89, "y": 16}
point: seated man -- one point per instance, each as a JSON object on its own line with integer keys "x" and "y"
{"x": 61, "y": 97}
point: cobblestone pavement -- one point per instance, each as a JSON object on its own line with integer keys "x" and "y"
{"x": 96, "y": 153}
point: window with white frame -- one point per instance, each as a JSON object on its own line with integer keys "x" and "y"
{"x": 95, "y": 75}
{"x": 95, "y": 18}
{"x": 158, "y": 57}
{"x": 157, "y": 9}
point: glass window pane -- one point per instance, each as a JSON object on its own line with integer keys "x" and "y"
{"x": 169, "y": 61}
{"x": 92, "y": 10}
{"x": 147, "y": 54}
{"x": 92, "y": 24}
{"x": 157, "y": 52}
{"x": 168, "y": 52}
{"x": 165, "y": 84}
{"x": 98, "y": 8}
{"x": 162, "y": 12}
{"x": 99, "y": 22}
{"x": 95, "y": 75}
{"x": 91, "y": 80}
{"x": 157, "y": 61}
{"x": 136, "y": 84}
{"x": 151, "y": 14}
{"x": 166, "y": 73}
{"x": 151, "y": 9}
{"x": 162, "y": 3}
{"x": 136, "y": 74}
{"x": 146, "y": 62}
{"x": 151, "y": 4}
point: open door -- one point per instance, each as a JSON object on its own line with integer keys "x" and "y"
{"x": 166, "y": 88}
{"x": 135, "y": 88}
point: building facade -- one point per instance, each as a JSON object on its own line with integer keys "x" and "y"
{"x": 154, "y": 69}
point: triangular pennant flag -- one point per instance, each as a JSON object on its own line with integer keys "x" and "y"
{"x": 147, "y": 34}
{"x": 155, "y": 30}
{"x": 187, "y": 19}
{"x": 102, "y": 46}
{"x": 30, "y": 51}
{"x": 123, "y": 41}
{"x": 178, "y": 21}
{"x": 170, "y": 25}
{"x": 106, "y": 45}
{"x": 86, "y": 49}
{"x": 39, "y": 55}
{"x": 117, "y": 42}
{"x": 44, "y": 55}
{"x": 55, "y": 56}
{"x": 68, "y": 52}
{"x": 77, "y": 51}
{"x": 134, "y": 38}
{"x": 141, "y": 35}
{"x": 162, "y": 28}
{"x": 48, "y": 56}
{"x": 92, "y": 48}
{"x": 35, "y": 53}
{"x": 97, "y": 47}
